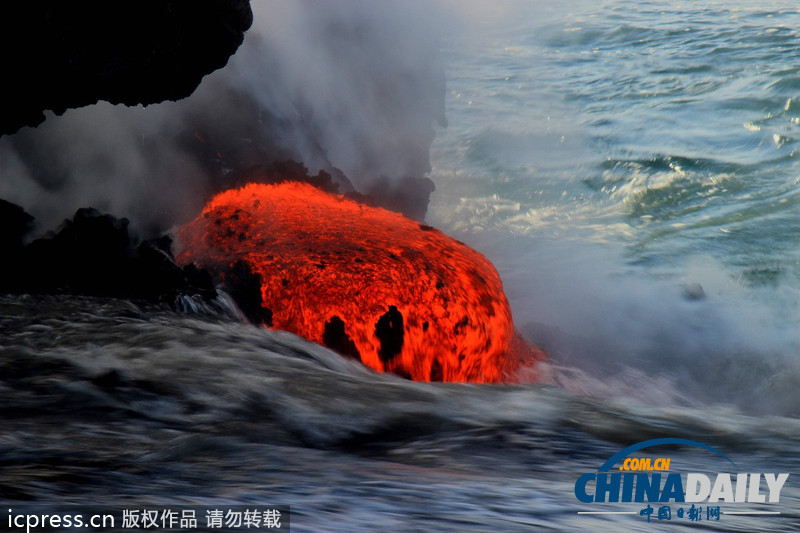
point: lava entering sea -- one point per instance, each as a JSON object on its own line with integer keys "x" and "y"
{"x": 397, "y": 295}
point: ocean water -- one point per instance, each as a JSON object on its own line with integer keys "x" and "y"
{"x": 630, "y": 169}
{"x": 632, "y": 172}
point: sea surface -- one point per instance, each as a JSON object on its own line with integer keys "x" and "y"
{"x": 631, "y": 169}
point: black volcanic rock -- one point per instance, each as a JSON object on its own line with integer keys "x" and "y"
{"x": 15, "y": 225}
{"x": 335, "y": 337}
{"x": 390, "y": 332}
{"x": 288, "y": 170}
{"x": 409, "y": 195}
{"x": 93, "y": 254}
{"x": 244, "y": 286}
{"x": 59, "y": 54}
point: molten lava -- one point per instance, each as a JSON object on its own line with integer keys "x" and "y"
{"x": 397, "y": 295}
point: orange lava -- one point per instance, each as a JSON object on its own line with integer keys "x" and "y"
{"x": 395, "y": 294}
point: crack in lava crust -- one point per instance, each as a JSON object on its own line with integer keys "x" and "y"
{"x": 399, "y": 296}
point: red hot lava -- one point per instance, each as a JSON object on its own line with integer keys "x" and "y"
{"x": 399, "y": 296}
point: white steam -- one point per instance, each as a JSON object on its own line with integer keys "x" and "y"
{"x": 354, "y": 84}
{"x": 358, "y": 84}
{"x": 616, "y": 331}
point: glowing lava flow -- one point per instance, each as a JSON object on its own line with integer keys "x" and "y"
{"x": 395, "y": 294}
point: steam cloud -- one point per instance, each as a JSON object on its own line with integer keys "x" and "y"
{"x": 617, "y": 332}
{"x": 354, "y": 85}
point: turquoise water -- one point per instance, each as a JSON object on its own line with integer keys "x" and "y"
{"x": 667, "y": 128}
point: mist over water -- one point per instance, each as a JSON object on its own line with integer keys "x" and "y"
{"x": 699, "y": 339}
